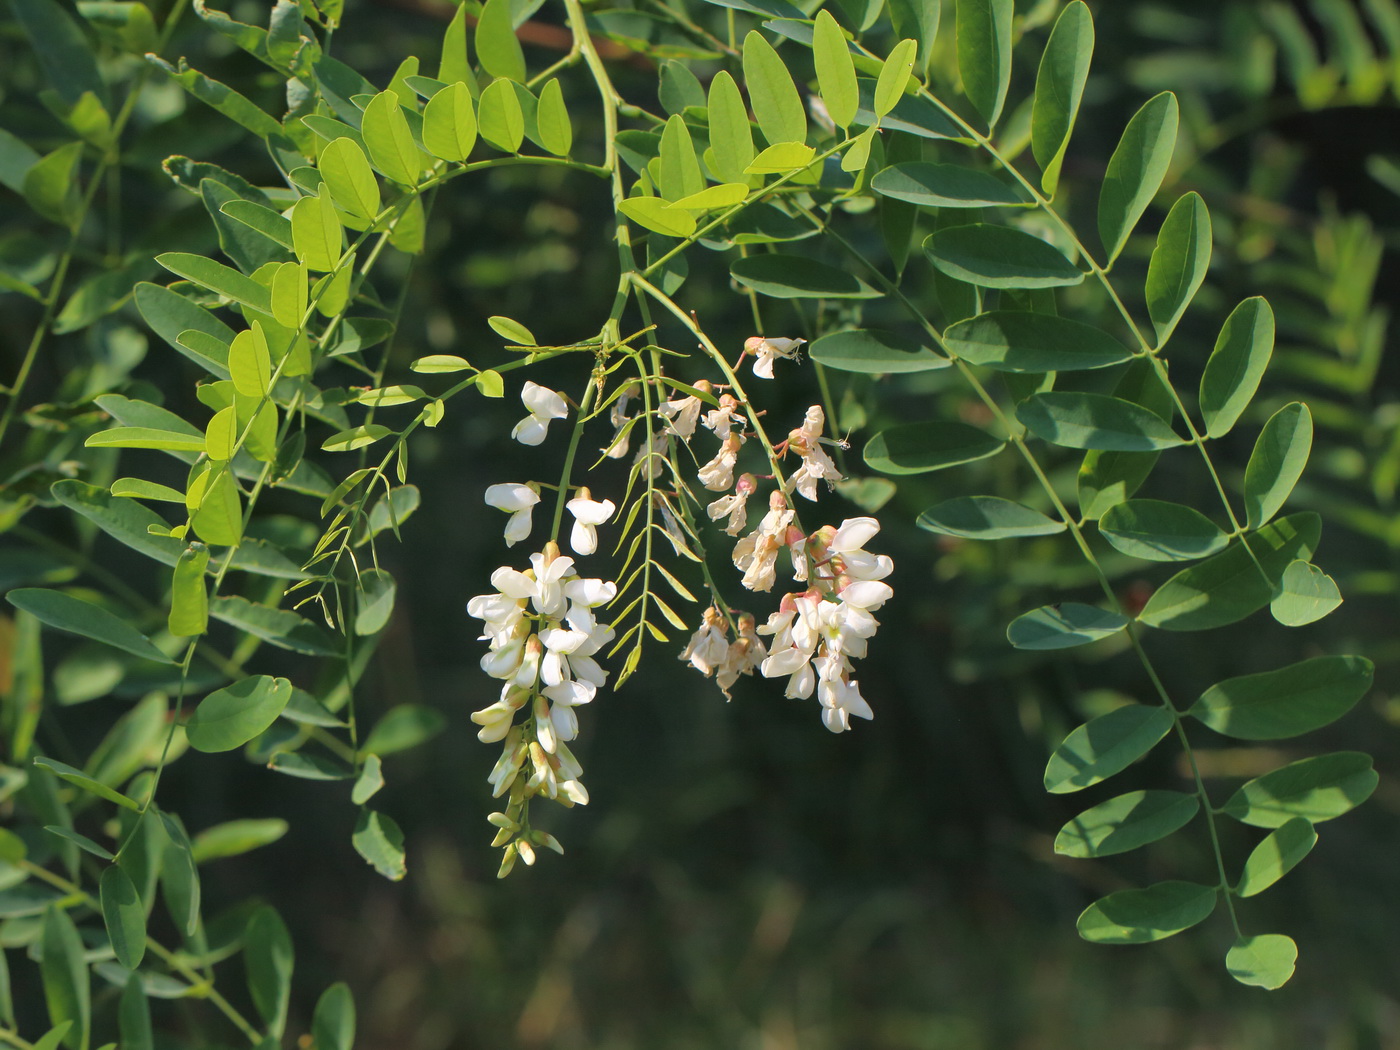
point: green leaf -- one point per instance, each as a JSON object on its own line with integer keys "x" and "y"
{"x": 380, "y": 842}
{"x": 403, "y": 727}
{"x": 455, "y": 67}
{"x": 914, "y": 18}
{"x": 85, "y": 618}
{"x": 179, "y": 879}
{"x": 876, "y": 352}
{"x": 1079, "y": 420}
{"x": 894, "y": 76}
{"x": 913, "y": 114}
{"x": 289, "y": 298}
{"x": 945, "y": 186}
{"x": 777, "y": 107}
{"x": 1264, "y": 961}
{"x": 170, "y": 314}
{"x": 1288, "y": 702}
{"x": 1277, "y": 462}
{"x": 333, "y": 1022}
{"x": 281, "y": 627}
{"x": 1179, "y": 263}
{"x": 51, "y": 185}
{"x": 355, "y": 437}
{"x": 1104, "y": 746}
{"x": 317, "y": 236}
{"x": 656, "y": 215}
{"x": 916, "y": 448}
{"x": 248, "y": 248}
{"x": 1126, "y": 822}
{"x": 61, "y": 50}
{"x": 54, "y": 1037}
{"x": 219, "y": 519}
{"x": 1159, "y": 531}
{"x": 987, "y": 518}
{"x": 725, "y": 195}
{"x": 79, "y": 779}
{"x": 1020, "y": 341}
{"x": 501, "y": 121}
{"x": 1228, "y": 586}
{"x": 449, "y": 124}
{"x": 233, "y": 838}
{"x": 389, "y": 141}
{"x": 122, "y": 519}
{"x": 1059, "y": 87}
{"x": 370, "y": 780}
{"x": 731, "y": 137}
{"x": 836, "y": 73}
{"x": 67, "y": 991}
{"x": 556, "y": 131}
{"x": 1063, "y": 626}
{"x": 497, "y": 47}
{"x": 1151, "y": 914}
{"x": 228, "y": 718}
{"x": 81, "y": 841}
{"x": 984, "y": 53}
{"x": 798, "y": 277}
{"x": 271, "y": 224}
{"x": 249, "y": 363}
{"x": 780, "y": 159}
{"x": 991, "y": 256}
{"x": 268, "y": 958}
{"x": 134, "y": 1017}
{"x": 351, "y": 180}
{"x": 145, "y": 437}
{"x": 376, "y": 603}
{"x": 236, "y": 107}
{"x": 441, "y": 363}
{"x": 124, "y": 915}
{"x": 16, "y": 158}
{"x": 1135, "y": 171}
{"x": 1307, "y": 594}
{"x": 679, "y": 175}
{"x": 218, "y": 278}
{"x": 1319, "y": 788}
{"x": 189, "y": 597}
{"x": 1276, "y": 856}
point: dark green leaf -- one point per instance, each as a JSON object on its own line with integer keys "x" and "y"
{"x": 1063, "y": 626}
{"x": 1020, "y": 341}
{"x": 1104, "y": 746}
{"x": 269, "y": 959}
{"x": 1159, "y": 531}
{"x": 310, "y": 766}
{"x": 1319, "y": 788}
{"x": 170, "y": 314}
{"x": 1236, "y": 365}
{"x": 65, "y": 976}
{"x": 1229, "y": 586}
{"x": 919, "y": 447}
{"x": 68, "y": 613}
{"x": 179, "y": 879}
{"x": 984, "y": 53}
{"x": 51, "y": 185}
{"x": 81, "y": 841}
{"x": 1307, "y": 594}
{"x": 228, "y": 718}
{"x": 777, "y": 107}
{"x": 1151, "y": 914}
{"x": 236, "y": 837}
{"x": 1079, "y": 420}
{"x": 134, "y": 1017}
{"x": 992, "y": 256}
{"x": 873, "y": 351}
{"x": 89, "y": 784}
{"x": 945, "y": 186}
{"x": 1287, "y": 702}
{"x": 1059, "y": 87}
{"x": 1125, "y": 823}
{"x": 1276, "y": 856}
{"x": 401, "y": 728}
{"x": 798, "y": 277}
{"x": 380, "y": 842}
{"x": 333, "y": 1022}
{"x": 247, "y": 245}
{"x": 124, "y": 916}
{"x": 987, "y": 518}
{"x": 376, "y": 602}
{"x": 230, "y": 103}
{"x": 281, "y": 627}
{"x": 16, "y": 158}
{"x": 61, "y": 50}
{"x": 1135, "y": 171}
{"x": 1179, "y": 263}
{"x": 1264, "y": 961}
{"x": 1277, "y": 462}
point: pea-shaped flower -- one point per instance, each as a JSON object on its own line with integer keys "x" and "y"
{"x": 544, "y": 404}
{"x": 519, "y": 502}
{"x": 588, "y": 514}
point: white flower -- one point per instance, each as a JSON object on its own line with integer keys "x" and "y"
{"x": 618, "y": 417}
{"x": 544, "y": 404}
{"x": 718, "y": 474}
{"x": 517, "y": 500}
{"x": 840, "y": 700}
{"x": 494, "y": 721}
{"x": 721, "y": 419}
{"x": 684, "y": 412}
{"x": 709, "y": 645}
{"x": 766, "y": 349}
{"x": 816, "y": 464}
{"x": 745, "y": 654}
{"x": 588, "y": 514}
{"x": 735, "y": 505}
{"x": 756, "y": 554}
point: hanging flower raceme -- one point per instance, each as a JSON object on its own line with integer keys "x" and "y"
{"x": 544, "y": 404}
{"x": 542, "y": 634}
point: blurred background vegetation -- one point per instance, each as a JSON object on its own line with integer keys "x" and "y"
{"x": 743, "y": 878}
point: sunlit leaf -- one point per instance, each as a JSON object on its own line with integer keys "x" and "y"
{"x": 500, "y": 120}
{"x": 497, "y": 47}
{"x": 1307, "y": 594}
{"x": 228, "y": 718}
{"x": 449, "y": 123}
{"x": 1277, "y": 462}
{"x": 1059, "y": 87}
{"x": 836, "y": 74}
{"x": 1106, "y": 745}
{"x": 380, "y": 842}
{"x": 1179, "y": 263}
{"x": 1319, "y": 788}
{"x": 1126, "y": 822}
{"x": 1276, "y": 856}
{"x": 1264, "y": 961}
{"x": 991, "y": 256}
{"x": 1151, "y": 914}
{"x": 1135, "y": 171}
{"x": 915, "y": 448}
{"x": 777, "y": 107}
{"x": 236, "y": 837}
{"x": 1288, "y": 702}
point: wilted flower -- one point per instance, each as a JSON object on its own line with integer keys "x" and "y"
{"x": 816, "y": 464}
{"x": 766, "y": 348}
{"x": 721, "y": 419}
{"x": 735, "y": 505}
{"x": 709, "y": 645}
{"x": 757, "y": 553}
{"x": 718, "y": 474}
{"x": 684, "y": 412}
{"x": 544, "y": 404}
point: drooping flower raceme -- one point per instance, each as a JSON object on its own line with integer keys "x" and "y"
{"x": 544, "y": 404}
{"x": 542, "y": 633}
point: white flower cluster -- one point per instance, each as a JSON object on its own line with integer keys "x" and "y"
{"x": 543, "y": 634}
